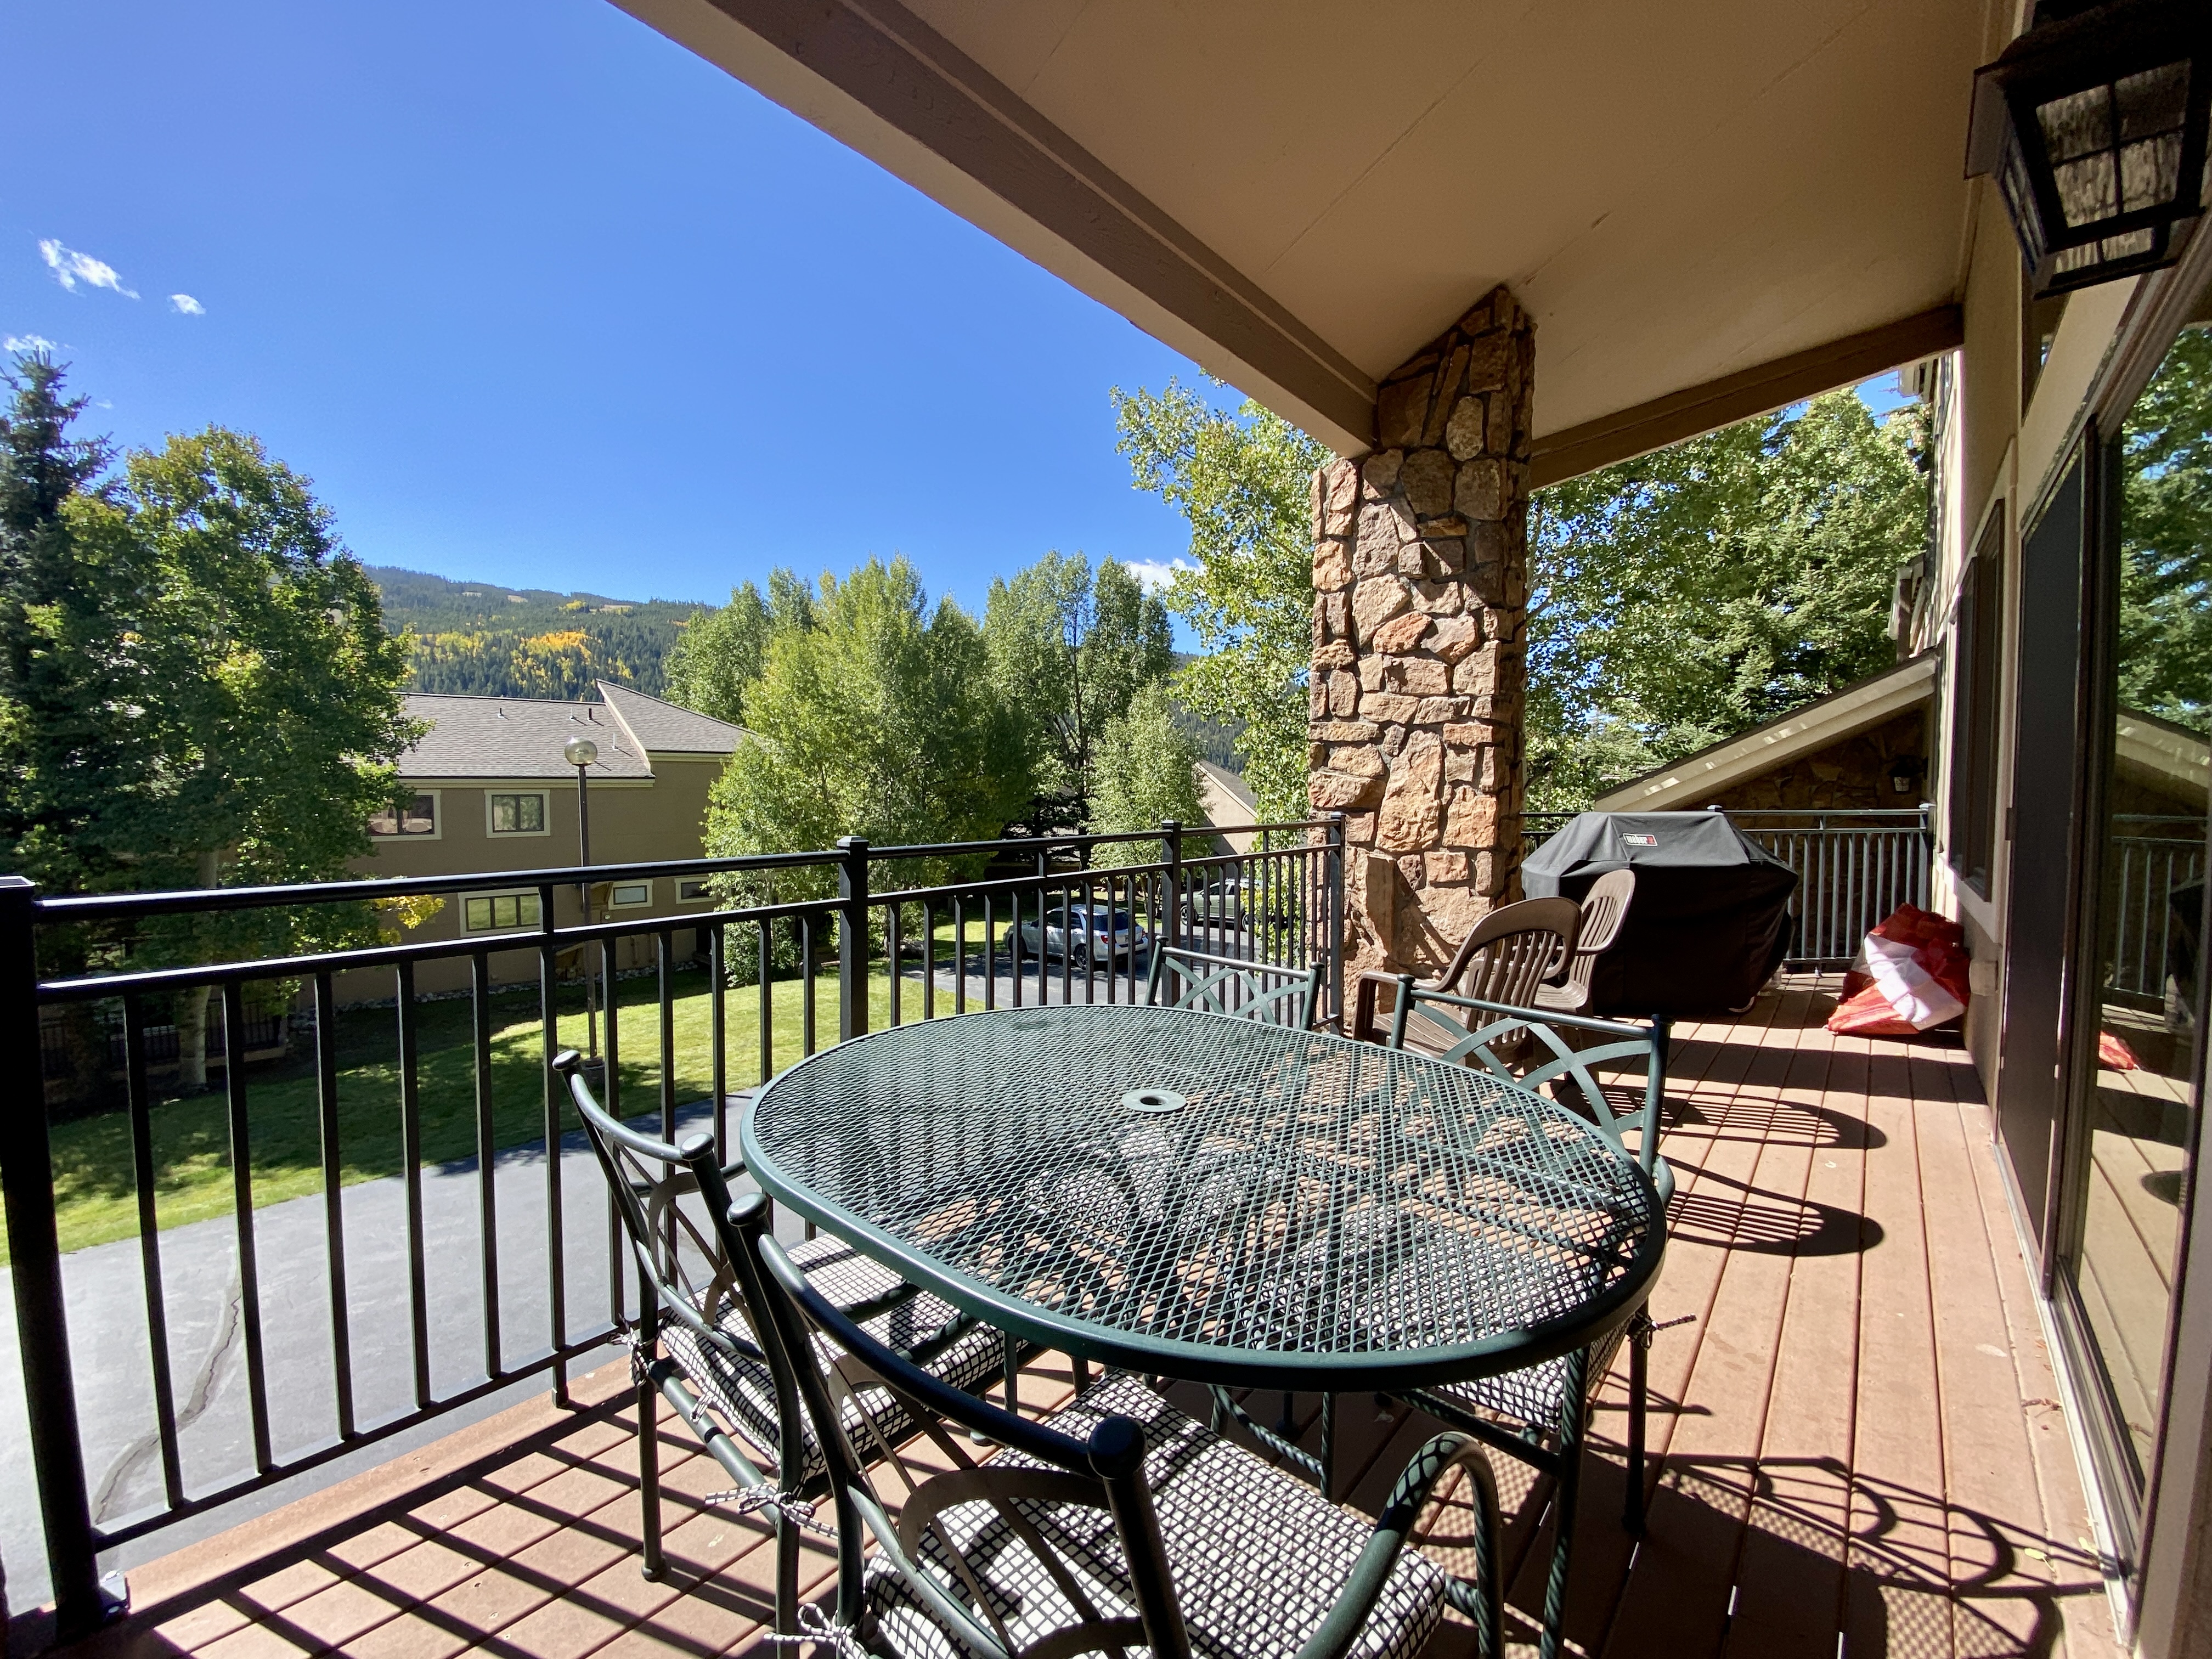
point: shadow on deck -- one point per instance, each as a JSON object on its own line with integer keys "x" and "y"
{"x": 1857, "y": 1447}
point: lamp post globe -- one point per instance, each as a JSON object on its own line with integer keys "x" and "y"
{"x": 580, "y": 752}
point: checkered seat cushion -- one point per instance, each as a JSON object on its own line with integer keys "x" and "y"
{"x": 1256, "y": 1556}
{"x": 1532, "y": 1395}
{"x": 739, "y": 1385}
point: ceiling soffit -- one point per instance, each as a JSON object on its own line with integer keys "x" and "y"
{"x": 1300, "y": 195}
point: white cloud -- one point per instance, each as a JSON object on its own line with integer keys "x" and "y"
{"x": 1154, "y": 574}
{"x": 28, "y": 342}
{"x": 187, "y": 305}
{"x": 69, "y": 268}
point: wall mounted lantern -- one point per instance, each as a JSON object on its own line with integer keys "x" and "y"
{"x": 2093, "y": 124}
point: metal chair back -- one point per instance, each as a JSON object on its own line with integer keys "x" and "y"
{"x": 1512, "y": 950}
{"x": 686, "y": 1266}
{"x": 1491, "y": 1036}
{"x": 1106, "y": 1474}
{"x": 1229, "y": 985}
{"x": 1043, "y": 1469}
{"x": 1604, "y": 909}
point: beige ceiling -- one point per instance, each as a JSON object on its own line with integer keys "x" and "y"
{"x": 1678, "y": 192}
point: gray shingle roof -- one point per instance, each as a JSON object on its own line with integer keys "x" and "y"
{"x": 664, "y": 729}
{"x": 516, "y": 738}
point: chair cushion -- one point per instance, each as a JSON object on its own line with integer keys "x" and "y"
{"x": 1532, "y": 1395}
{"x": 740, "y": 1387}
{"x": 1257, "y": 1556}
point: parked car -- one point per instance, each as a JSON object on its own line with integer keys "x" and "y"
{"x": 1093, "y": 931}
{"x": 1224, "y": 900}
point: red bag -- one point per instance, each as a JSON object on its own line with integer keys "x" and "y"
{"x": 1910, "y": 976}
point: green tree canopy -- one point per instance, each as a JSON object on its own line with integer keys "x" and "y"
{"x": 1686, "y": 595}
{"x": 1147, "y": 772}
{"x": 1244, "y": 483}
{"x": 881, "y": 719}
{"x": 2166, "y": 571}
{"x": 723, "y": 652}
{"x": 1070, "y": 647}
{"x": 196, "y": 684}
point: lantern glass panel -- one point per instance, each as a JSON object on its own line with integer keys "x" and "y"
{"x": 2077, "y": 126}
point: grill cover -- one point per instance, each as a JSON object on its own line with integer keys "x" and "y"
{"x": 1711, "y": 919}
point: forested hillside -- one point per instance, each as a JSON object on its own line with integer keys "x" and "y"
{"x": 477, "y": 637}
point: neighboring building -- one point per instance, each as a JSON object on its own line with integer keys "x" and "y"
{"x": 1227, "y": 799}
{"x": 493, "y": 794}
{"x": 1865, "y": 746}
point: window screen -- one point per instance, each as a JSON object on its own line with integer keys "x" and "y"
{"x": 1978, "y": 645}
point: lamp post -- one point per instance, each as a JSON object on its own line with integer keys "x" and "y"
{"x": 581, "y": 753}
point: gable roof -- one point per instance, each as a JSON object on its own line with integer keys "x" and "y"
{"x": 1838, "y": 715}
{"x": 515, "y": 738}
{"x": 662, "y": 728}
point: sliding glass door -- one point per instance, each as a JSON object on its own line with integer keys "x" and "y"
{"x": 2137, "y": 1060}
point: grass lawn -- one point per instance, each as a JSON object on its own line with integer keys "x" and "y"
{"x": 93, "y": 1183}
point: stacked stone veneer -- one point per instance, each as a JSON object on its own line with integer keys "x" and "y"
{"x": 1420, "y": 595}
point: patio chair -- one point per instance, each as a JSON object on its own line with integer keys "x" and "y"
{"x": 1117, "y": 1524}
{"x": 697, "y": 1342}
{"x": 1534, "y": 1400}
{"x": 1604, "y": 909}
{"x": 1231, "y": 985}
{"x": 1511, "y": 951}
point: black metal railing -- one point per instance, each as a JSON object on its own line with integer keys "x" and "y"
{"x": 1854, "y": 868}
{"x": 343, "y": 1322}
{"x": 2152, "y": 858}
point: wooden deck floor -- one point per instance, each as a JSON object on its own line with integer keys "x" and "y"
{"x": 1857, "y": 1447}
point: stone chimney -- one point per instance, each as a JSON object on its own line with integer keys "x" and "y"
{"x": 1420, "y": 599}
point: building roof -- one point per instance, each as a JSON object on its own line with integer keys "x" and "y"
{"x": 521, "y": 736}
{"x": 516, "y": 738}
{"x": 1299, "y": 196}
{"x": 1839, "y": 715}
{"x": 664, "y": 729}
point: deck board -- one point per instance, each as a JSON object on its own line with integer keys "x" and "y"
{"x": 1856, "y": 1438}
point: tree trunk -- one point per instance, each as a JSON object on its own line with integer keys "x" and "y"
{"x": 191, "y": 1015}
{"x": 191, "y": 1037}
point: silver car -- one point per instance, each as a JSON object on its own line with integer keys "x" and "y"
{"x": 1082, "y": 933}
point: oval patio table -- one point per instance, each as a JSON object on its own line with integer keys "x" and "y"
{"x": 1218, "y": 1200}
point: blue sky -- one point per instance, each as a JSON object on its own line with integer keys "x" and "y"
{"x": 537, "y": 297}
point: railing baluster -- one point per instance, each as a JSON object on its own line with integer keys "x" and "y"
{"x": 891, "y": 944}
{"x": 990, "y": 955}
{"x": 487, "y": 1158}
{"x": 663, "y": 944}
{"x": 241, "y": 1187}
{"x": 928, "y": 960}
{"x": 552, "y": 1105}
{"x": 410, "y": 1173}
{"x": 610, "y": 1021}
{"x": 960, "y": 955}
{"x": 806, "y": 984}
{"x": 144, "y": 1177}
{"x": 718, "y": 1030}
{"x": 766, "y": 995}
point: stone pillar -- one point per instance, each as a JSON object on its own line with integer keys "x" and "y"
{"x": 1420, "y": 598}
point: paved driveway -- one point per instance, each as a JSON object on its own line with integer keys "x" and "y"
{"x": 106, "y": 1293}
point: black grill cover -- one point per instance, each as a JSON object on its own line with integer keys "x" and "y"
{"x": 1711, "y": 919}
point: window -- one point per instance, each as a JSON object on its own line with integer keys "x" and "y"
{"x": 626, "y": 894}
{"x": 499, "y": 913}
{"x": 418, "y": 818}
{"x": 516, "y": 815}
{"x": 693, "y": 890}
{"x": 1976, "y": 662}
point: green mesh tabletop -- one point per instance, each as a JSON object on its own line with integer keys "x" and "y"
{"x": 1213, "y": 1198}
